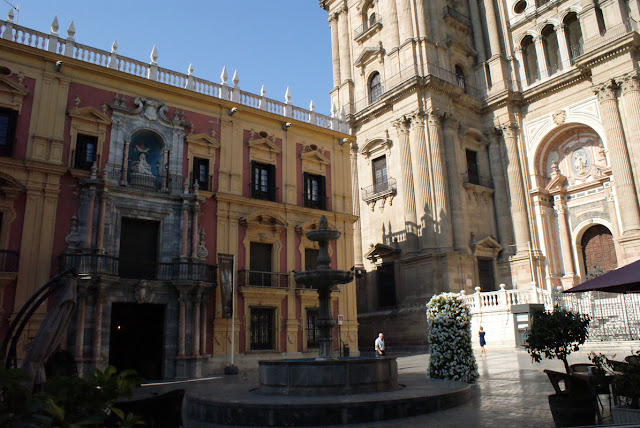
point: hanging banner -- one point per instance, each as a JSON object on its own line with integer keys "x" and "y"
{"x": 225, "y": 267}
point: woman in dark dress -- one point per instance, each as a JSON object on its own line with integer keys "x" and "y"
{"x": 482, "y": 341}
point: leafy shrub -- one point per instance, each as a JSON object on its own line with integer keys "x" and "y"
{"x": 449, "y": 324}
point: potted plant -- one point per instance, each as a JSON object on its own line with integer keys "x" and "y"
{"x": 556, "y": 334}
{"x": 625, "y": 387}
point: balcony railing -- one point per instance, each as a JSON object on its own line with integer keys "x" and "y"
{"x": 265, "y": 193}
{"x": 364, "y": 28}
{"x": 256, "y": 278}
{"x": 478, "y": 180}
{"x": 103, "y": 264}
{"x": 379, "y": 189}
{"x": 9, "y": 261}
{"x": 448, "y": 11}
{"x": 610, "y": 35}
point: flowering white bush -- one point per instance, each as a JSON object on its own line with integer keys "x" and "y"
{"x": 449, "y": 325}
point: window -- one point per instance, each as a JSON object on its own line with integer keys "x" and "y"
{"x": 7, "y": 131}
{"x": 314, "y": 191}
{"x": 372, "y": 19}
{"x": 530, "y": 60}
{"x": 201, "y": 173}
{"x": 485, "y": 275}
{"x": 375, "y": 88}
{"x": 380, "y": 180}
{"x": 520, "y": 6}
{"x": 573, "y": 34}
{"x": 138, "y": 248}
{"x": 262, "y": 328}
{"x": 260, "y": 264}
{"x": 313, "y": 333}
{"x": 472, "y": 167}
{"x": 263, "y": 181}
{"x": 551, "y": 50}
{"x": 310, "y": 258}
{"x": 85, "y": 155}
{"x": 460, "y": 80}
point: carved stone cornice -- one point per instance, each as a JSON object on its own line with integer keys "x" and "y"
{"x": 605, "y": 91}
{"x": 630, "y": 82}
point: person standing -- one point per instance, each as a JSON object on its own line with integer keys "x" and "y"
{"x": 379, "y": 346}
{"x": 482, "y": 341}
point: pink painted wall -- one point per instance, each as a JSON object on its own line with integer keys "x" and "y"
{"x": 68, "y": 204}
{"x": 24, "y": 119}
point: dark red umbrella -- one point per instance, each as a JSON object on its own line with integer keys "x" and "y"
{"x": 622, "y": 280}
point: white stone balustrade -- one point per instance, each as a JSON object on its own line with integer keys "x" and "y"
{"x": 52, "y": 42}
{"x": 502, "y": 300}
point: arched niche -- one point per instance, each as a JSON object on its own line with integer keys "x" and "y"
{"x": 146, "y": 152}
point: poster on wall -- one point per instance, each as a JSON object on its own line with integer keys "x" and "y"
{"x": 225, "y": 267}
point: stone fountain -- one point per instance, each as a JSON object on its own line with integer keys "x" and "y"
{"x": 326, "y": 374}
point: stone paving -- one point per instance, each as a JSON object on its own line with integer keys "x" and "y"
{"x": 511, "y": 391}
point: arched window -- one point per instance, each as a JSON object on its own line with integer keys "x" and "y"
{"x": 530, "y": 60}
{"x": 460, "y": 80}
{"x": 368, "y": 16}
{"x": 375, "y": 87}
{"x": 372, "y": 19}
{"x": 573, "y": 34}
{"x": 551, "y": 50}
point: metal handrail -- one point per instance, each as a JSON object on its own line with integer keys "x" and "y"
{"x": 255, "y": 278}
{"x": 379, "y": 189}
{"x": 449, "y": 11}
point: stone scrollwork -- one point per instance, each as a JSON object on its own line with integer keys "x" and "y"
{"x": 559, "y": 117}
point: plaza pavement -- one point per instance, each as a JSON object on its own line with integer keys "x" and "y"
{"x": 511, "y": 390}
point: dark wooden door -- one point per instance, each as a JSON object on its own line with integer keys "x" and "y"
{"x": 485, "y": 275}
{"x": 260, "y": 264}
{"x": 386, "y": 279}
{"x": 139, "y": 248}
{"x": 598, "y": 251}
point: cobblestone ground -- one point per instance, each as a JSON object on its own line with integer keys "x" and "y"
{"x": 511, "y": 391}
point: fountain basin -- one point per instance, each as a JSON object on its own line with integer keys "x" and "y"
{"x": 330, "y": 377}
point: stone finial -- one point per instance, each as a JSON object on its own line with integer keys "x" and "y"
{"x": 334, "y": 110}
{"x": 287, "y": 96}
{"x": 186, "y": 186}
{"x": 477, "y": 289}
{"x": 190, "y": 70}
{"x": 10, "y": 15}
{"x": 235, "y": 79}
{"x": 311, "y": 106}
{"x": 196, "y": 186}
{"x": 343, "y": 113}
{"x": 503, "y": 286}
{"x": 76, "y": 102}
{"x": 94, "y": 170}
{"x": 54, "y": 25}
{"x": 71, "y": 31}
{"x": 154, "y": 55}
{"x": 224, "y": 76}
{"x": 114, "y": 46}
{"x": 263, "y": 91}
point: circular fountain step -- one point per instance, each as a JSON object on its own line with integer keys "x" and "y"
{"x": 341, "y": 376}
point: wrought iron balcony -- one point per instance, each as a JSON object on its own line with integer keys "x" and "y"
{"x": 103, "y": 264}
{"x": 361, "y": 30}
{"x": 449, "y": 12}
{"x": 254, "y": 278}
{"x": 9, "y": 261}
{"x": 379, "y": 190}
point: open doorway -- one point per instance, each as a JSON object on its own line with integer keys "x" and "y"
{"x": 137, "y": 338}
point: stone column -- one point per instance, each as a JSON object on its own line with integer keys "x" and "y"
{"x": 562, "y": 46}
{"x": 405, "y": 23}
{"x": 516, "y": 187}
{"x": 335, "y": 48}
{"x": 439, "y": 175}
{"x": 355, "y": 201}
{"x": 194, "y": 229}
{"x": 478, "y": 38}
{"x": 492, "y": 28}
{"x": 97, "y": 335}
{"x": 621, "y": 168}
{"x": 500, "y": 202}
{"x": 82, "y": 304}
{"x": 424, "y": 29}
{"x": 631, "y": 102}
{"x": 521, "y": 71}
{"x": 196, "y": 324}
{"x": 344, "y": 46}
{"x": 185, "y": 228}
{"x": 424, "y": 208}
{"x": 182, "y": 319}
{"x": 393, "y": 24}
{"x": 101, "y": 219}
{"x": 542, "y": 61}
{"x": 203, "y": 325}
{"x": 565, "y": 238}
{"x": 89, "y": 230}
{"x": 125, "y": 162}
{"x": 408, "y": 195}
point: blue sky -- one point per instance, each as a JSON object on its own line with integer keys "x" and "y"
{"x": 277, "y": 43}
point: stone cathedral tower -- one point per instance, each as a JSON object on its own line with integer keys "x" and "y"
{"x": 494, "y": 144}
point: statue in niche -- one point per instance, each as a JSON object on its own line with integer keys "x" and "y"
{"x": 141, "y": 166}
{"x": 555, "y": 171}
{"x": 580, "y": 160}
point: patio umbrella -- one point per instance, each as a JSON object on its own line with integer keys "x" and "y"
{"x": 622, "y": 280}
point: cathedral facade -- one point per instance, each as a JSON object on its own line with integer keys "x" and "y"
{"x": 497, "y": 142}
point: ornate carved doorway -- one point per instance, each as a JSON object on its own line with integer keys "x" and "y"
{"x": 598, "y": 251}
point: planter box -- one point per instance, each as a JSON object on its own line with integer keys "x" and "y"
{"x": 623, "y": 415}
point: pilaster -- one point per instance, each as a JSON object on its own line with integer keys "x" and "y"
{"x": 630, "y": 88}
{"x": 440, "y": 188}
{"x": 408, "y": 194}
{"x": 421, "y": 168}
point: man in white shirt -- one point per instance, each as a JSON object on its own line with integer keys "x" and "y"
{"x": 380, "y": 346}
